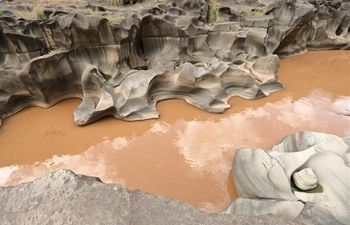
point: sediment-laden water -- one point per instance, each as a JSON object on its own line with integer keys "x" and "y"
{"x": 186, "y": 154}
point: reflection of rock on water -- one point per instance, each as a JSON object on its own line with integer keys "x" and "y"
{"x": 54, "y": 134}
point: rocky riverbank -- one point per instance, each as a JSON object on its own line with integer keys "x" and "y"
{"x": 66, "y": 198}
{"x": 121, "y": 61}
{"x": 203, "y": 52}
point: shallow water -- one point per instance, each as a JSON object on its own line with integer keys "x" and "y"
{"x": 186, "y": 154}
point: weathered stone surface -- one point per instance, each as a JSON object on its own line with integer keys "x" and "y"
{"x": 63, "y": 197}
{"x": 294, "y": 26}
{"x": 66, "y": 198}
{"x": 170, "y": 44}
{"x": 317, "y": 214}
{"x": 96, "y": 61}
{"x": 246, "y": 206}
{"x": 266, "y": 175}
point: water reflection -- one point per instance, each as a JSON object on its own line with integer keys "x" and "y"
{"x": 93, "y": 162}
{"x": 185, "y": 155}
{"x": 199, "y": 157}
{"x": 160, "y": 127}
{"x": 315, "y": 110}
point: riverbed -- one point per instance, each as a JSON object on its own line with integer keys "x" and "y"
{"x": 187, "y": 153}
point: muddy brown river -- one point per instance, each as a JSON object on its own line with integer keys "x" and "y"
{"x": 186, "y": 154}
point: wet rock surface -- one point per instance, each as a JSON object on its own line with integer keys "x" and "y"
{"x": 264, "y": 182}
{"x": 148, "y": 52}
{"x": 63, "y": 197}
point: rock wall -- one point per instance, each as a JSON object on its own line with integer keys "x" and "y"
{"x": 160, "y": 51}
{"x": 294, "y": 26}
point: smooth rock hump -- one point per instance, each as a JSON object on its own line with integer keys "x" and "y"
{"x": 263, "y": 178}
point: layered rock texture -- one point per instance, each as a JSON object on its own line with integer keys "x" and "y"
{"x": 156, "y": 52}
{"x": 307, "y": 167}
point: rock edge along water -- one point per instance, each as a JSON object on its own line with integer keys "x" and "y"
{"x": 163, "y": 51}
{"x": 63, "y": 197}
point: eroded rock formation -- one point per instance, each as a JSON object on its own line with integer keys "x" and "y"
{"x": 169, "y": 50}
{"x": 264, "y": 179}
{"x": 160, "y": 51}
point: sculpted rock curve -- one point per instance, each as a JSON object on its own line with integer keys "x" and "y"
{"x": 265, "y": 177}
{"x": 171, "y": 50}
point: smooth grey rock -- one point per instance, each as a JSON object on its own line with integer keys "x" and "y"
{"x": 306, "y": 139}
{"x": 246, "y": 206}
{"x": 333, "y": 176}
{"x": 305, "y": 179}
{"x": 292, "y": 162}
{"x": 260, "y": 175}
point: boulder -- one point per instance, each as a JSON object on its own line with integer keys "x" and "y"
{"x": 264, "y": 183}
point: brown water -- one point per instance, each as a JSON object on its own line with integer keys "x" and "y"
{"x": 186, "y": 154}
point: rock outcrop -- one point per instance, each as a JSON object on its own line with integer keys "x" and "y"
{"x": 295, "y": 26}
{"x": 63, "y": 197}
{"x": 264, "y": 179}
{"x": 156, "y": 52}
